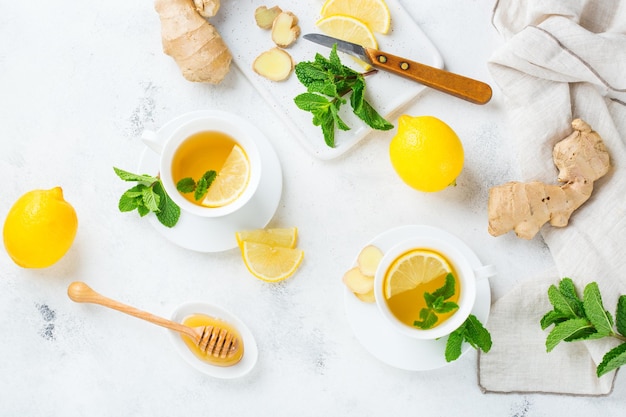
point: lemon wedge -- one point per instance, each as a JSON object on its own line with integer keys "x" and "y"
{"x": 271, "y": 263}
{"x": 374, "y": 13}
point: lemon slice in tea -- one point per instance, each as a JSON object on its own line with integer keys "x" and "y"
{"x": 412, "y": 269}
{"x": 231, "y": 180}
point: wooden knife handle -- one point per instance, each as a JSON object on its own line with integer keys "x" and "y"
{"x": 457, "y": 85}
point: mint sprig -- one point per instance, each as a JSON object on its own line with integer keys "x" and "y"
{"x": 436, "y": 303}
{"x": 200, "y": 188}
{"x": 576, "y": 319}
{"x": 471, "y": 331}
{"x": 327, "y": 82}
{"x": 148, "y": 196}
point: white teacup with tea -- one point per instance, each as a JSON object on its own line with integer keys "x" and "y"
{"x": 217, "y": 142}
{"x": 414, "y": 292}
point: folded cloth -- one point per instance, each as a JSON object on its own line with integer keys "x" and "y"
{"x": 562, "y": 60}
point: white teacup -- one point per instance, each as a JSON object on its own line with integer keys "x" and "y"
{"x": 234, "y": 126}
{"x": 465, "y": 275}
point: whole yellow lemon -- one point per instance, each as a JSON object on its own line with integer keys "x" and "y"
{"x": 426, "y": 153}
{"x": 40, "y": 228}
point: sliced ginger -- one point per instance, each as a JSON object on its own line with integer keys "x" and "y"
{"x": 285, "y": 29}
{"x": 357, "y": 282}
{"x": 368, "y": 260}
{"x": 275, "y": 64}
{"x": 265, "y": 17}
{"x": 360, "y": 279}
{"x": 581, "y": 159}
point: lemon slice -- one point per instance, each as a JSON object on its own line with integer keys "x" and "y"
{"x": 231, "y": 180}
{"x": 412, "y": 269}
{"x": 374, "y": 13}
{"x": 283, "y": 237}
{"x": 271, "y": 263}
{"x": 348, "y": 29}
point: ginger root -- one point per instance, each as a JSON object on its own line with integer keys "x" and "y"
{"x": 195, "y": 45}
{"x": 581, "y": 159}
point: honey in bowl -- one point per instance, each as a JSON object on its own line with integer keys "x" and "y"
{"x": 412, "y": 275}
{"x": 197, "y": 320}
{"x": 217, "y": 151}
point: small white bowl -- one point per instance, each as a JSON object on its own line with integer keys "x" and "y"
{"x": 250, "y": 353}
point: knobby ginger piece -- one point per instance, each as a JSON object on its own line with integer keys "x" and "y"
{"x": 581, "y": 159}
{"x": 207, "y": 8}
{"x": 195, "y": 45}
{"x": 285, "y": 29}
{"x": 265, "y": 17}
{"x": 275, "y": 64}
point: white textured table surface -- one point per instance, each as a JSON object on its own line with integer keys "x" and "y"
{"x": 79, "y": 82}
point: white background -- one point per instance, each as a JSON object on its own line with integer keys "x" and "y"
{"x": 79, "y": 82}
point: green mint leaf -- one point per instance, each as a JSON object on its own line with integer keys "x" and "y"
{"x": 356, "y": 99}
{"x": 186, "y": 185}
{"x": 326, "y": 87}
{"x": 620, "y": 315}
{"x": 454, "y": 344}
{"x": 568, "y": 291}
{"x": 150, "y": 199}
{"x": 309, "y": 73}
{"x": 447, "y": 290}
{"x": 552, "y": 317}
{"x": 201, "y": 189}
{"x": 613, "y": 359}
{"x": 311, "y": 102}
{"x": 476, "y": 334}
{"x": 594, "y": 310}
{"x": 129, "y": 176}
{"x": 371, "y": 117}
{"x": 562, "y": 303}
{"x": 169, "y": 212}
{"x": 428, "y": 319}
{"x": 328, "y": 129}
{"x": 334, "y": 63}
{"x": 131, "y": 199}
{"x": 430, "y": 299}
{"x": 334, "y": 110}
{"x": 565, "y": 330}
{"x": 446, "y": 307}
{"x": 142, "y": 210}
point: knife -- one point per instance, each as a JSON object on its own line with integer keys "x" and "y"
{"x": 457, "y": 85}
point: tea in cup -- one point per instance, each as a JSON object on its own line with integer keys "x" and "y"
{"x": 425, "y": 287}
{"x": 209, "y": 165}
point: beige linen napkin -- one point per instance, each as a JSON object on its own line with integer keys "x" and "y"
{"x": 561, "y": 60}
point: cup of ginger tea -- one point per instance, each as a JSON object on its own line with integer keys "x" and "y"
{"x": 425, "y": 287}
{"x": 210, "y": 165}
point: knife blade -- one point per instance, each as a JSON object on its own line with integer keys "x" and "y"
{"x": 465, "y": 88}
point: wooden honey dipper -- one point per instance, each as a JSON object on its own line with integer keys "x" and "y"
{"x": 211, "y": 340}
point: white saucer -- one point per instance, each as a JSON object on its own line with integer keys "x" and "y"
{"x": 392, "y": 347}
{"x": 205, "y": 234}
{"x": 250, "y": 353}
